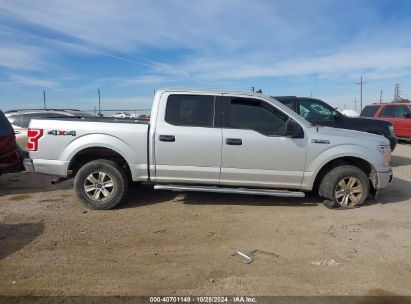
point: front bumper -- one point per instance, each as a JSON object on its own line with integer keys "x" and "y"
{"x": 10, "y": 162}
{"x": 384, "y": 179}
{"x": 393, "y": 142}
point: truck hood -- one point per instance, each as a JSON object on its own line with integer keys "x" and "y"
{"x": 365, "y": 122}
{"x": 364, "y": 136}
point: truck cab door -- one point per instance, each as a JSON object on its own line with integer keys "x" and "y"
{"x": 255, "y": 150}
{"x": 188, "y": 138}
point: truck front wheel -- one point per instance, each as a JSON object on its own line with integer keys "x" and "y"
{"x": 344, "y": 186}
{"x": 100, "y": 184}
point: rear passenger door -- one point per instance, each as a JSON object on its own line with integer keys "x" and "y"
{"x": 188, "y": 139}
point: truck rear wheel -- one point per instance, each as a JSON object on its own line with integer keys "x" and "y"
{"x": 100, "y": 184}
{"x": 344, "y": 186}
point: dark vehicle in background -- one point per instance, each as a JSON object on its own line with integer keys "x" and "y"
{"x": 10, "y": 158}
{"x": 399, "y": 114}
{"x": 20, "y": 120}
{"x": 320, "y": 113}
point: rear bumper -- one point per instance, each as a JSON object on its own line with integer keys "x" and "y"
{"x": 50, "y": 167}
{"x": 10, "y": 162}
{"x": 28, "y": 165}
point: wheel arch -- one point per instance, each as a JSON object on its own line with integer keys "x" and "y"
{"x": 358, "y": 162}
{"x": 89, "y": 154}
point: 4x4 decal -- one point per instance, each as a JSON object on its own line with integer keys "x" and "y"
{"x": 61, "y": 133}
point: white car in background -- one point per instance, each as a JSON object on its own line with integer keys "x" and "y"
{"x": 20, "y": 120}
{"x": 122, "y": 115}
{"x": 350, "y": 113}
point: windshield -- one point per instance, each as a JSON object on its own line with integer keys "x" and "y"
{"x": 288, "y": 111}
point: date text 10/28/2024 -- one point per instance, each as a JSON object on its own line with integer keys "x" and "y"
{"x": 204, "y": 299}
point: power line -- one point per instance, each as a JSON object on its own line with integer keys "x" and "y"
{"x": 361, "y": 83}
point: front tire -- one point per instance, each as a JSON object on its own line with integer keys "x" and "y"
{"x": 100, "y": 184}
{"x": 344, "y": 186}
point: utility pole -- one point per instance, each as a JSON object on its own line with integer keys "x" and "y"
{"x": 99, "y": 103}
{"x": 361, "y": 83}
{"x": 252, "y": 89}
{"x": 397, "y": 92}
{"x": 381, "y": 96}
{"x": 44, "y": 99}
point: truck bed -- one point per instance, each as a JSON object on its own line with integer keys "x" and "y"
{"x": 97, "y": 119}
{"x": 64, "y": 138}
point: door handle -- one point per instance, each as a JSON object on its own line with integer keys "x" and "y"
{"x": 167, "y": 138}
{"x": 234, "y": 141}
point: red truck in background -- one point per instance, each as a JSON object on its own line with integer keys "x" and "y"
{"x": 399, "y": 114}
{"x": 10, "y": 158}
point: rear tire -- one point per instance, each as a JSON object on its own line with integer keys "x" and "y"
{"x": 100, "y": 184}
{"x": 344, "y": 186}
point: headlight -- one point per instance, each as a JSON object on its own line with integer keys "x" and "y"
{"x": 386, "y": 151}
{"x": 391, "y": 128}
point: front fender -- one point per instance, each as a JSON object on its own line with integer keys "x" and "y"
{"x": 317, "y": 161}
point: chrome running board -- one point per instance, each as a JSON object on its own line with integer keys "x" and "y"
{"x": 278, "y": 193}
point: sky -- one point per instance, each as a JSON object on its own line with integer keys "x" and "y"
{"x": 128, "y": 49}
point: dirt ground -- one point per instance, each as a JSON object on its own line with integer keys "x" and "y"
{"x": 165, "y": 243}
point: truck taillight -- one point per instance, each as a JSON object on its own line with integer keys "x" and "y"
{"x": 34, "y": 135}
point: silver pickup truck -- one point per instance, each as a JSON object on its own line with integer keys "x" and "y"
{"x": 213, "y": 141}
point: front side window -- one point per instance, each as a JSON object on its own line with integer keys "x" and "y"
{"x": 387, "y": 111}
{"x": 401, "y": 111}
{"x": 190, "y": 110}
{"x": 313, "y": 111}
{"x": 256, "y": 115}
{"x": 369, "y": 111}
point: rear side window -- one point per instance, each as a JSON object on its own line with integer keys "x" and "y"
{"x": 388, "y": 111}
{"x": 256, "y": 115}
{"x": 191, "y": 110}
{"x": 5, "y": 127}
{"x": 369, "y": 111}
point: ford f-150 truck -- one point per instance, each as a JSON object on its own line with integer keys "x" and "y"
{"x": 212, "y": 141}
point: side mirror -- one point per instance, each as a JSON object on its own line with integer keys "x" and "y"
{"x": 335, "y": 115}
{"x": 407, "y": 115}
{"x": 293, "y": 129}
